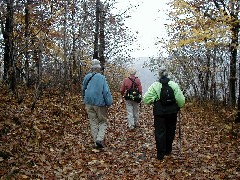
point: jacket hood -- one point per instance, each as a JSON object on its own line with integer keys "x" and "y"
{"x": 164, "y": 80}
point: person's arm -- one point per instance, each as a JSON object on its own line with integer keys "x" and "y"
{"x": 139, "y": 85}
{"x": 180, "y": 98}
{"x": 152, "y": 93}
{"x": 84, "y": 85}
{"x": 107, "y": 93}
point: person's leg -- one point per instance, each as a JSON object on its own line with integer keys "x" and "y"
{"x": 160, "y": 136}
{"x": 129, "y": 108}
{"x": 93, "y": 120}
{"x": 171, "y": 121}
{"x": 102, "y": 122}
{"x": 135, "y": 113}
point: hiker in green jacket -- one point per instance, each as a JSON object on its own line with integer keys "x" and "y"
{"x": 165, "y": 114}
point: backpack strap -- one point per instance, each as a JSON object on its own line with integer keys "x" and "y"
{"x": 90, "y": 79}
{"x": 133, "y": 81}
{"x": 88, "y": 82}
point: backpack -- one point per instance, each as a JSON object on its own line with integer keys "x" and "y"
{"x": 133, "y": 93}
{"x": 167, "y": 103}
{"x": 167, "y": 96}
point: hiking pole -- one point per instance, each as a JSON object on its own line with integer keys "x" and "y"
{"x": 180, "y": 134}
{"x": 139, "y": 110}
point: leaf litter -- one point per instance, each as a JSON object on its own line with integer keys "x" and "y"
{"x": 54, "y": 142}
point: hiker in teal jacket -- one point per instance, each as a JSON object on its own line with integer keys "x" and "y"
{"x": 97, "y": 98}
{"x": 165, "y": 116}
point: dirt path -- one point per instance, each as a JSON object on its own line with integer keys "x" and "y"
{"x": 54, "y": 142}
{"x": 205, "y": 154}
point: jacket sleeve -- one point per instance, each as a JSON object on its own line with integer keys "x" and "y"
{"x": 107, "y": 94}
{"x": 180, "y": 98}
{"x": 152, "y": 94}
{"x": 139, "y": 84}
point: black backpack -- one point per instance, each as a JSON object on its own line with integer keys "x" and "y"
{"x": 133, "y": 93}
{"x": 167, "y": 103}
{"x": 167, "y": 96}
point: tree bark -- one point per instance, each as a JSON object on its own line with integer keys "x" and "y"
{"x": 102, "y": 36}
{"x": 96, "y": 35}
{"x": 9, "y": 70}
{"x": 27, "y": 16}
{"x": 233, "y": 60}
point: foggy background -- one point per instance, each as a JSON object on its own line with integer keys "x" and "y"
{"x": 145, "y": 75}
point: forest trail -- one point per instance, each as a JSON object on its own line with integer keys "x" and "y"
{"x": 54, "y": 142}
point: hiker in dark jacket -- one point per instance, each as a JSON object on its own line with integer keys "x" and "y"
{"x": 165, "y": 116}
{"x": 97, "y": 98}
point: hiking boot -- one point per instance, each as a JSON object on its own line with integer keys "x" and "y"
{"x": 168, "y": 153}
{"x": 99, "y": 144}
{"x": 160, "y": 157}
{"x": 131, "y": 127}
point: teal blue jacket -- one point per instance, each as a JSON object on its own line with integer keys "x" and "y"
{"x": 96, "y": 92}
{"x": 153, "y": 93}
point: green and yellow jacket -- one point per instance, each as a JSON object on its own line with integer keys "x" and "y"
{"x": 153, "y": 95}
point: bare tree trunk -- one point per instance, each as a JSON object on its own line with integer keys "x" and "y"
{"x": 101, "y": 35}
{"x": 73, "y": 75}
{"x": 9, "y": 70}
{"x": 38, "y": 82}
{"x": 233, "y": 61}
{"x": 96, "y": 35}
{"x": 237, "y": 120}
{"x": 234, "y": 43}
{"x": 207, "y": 76}
{"x": 26, "y": 42}
{"x": 213, "y": 78}
{"x": 65, "y": 63}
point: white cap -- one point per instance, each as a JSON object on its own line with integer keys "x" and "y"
{"x": 132, "y": 71}
{"x": 163, "y": 72}
{"x": 95, "y": 64}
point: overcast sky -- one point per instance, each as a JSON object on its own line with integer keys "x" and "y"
{"x": 148, "y": 19}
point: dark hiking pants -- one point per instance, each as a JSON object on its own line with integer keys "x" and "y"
{"x": 165, "y": 127}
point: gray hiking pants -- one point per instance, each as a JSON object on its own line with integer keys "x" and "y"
{"x": 98, "y": 121}
{"x": 132, "y": 112}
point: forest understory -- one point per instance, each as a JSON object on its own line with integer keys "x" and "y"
{"x": 53, "y": 141}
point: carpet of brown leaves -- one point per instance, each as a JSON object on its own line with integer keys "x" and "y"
{"x": 53, "y": 142}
